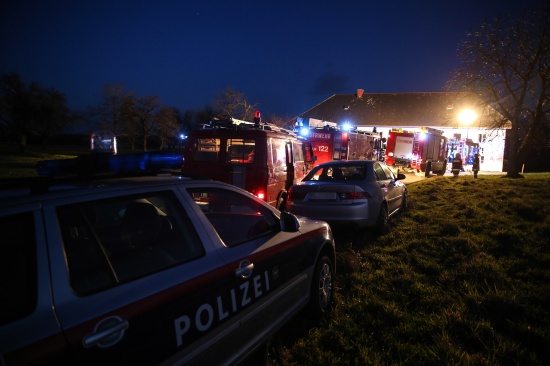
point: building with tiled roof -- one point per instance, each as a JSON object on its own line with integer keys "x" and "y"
{"x": 412, "y": 111}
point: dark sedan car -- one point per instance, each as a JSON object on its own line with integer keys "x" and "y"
{"x": 364, "y": 193}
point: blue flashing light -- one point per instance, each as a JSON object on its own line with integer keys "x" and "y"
{"x": 304, "y": 131}
{"x": 103, "y": 163}
{"x": 346, "y": 126}
{"x": 422, "y": 136}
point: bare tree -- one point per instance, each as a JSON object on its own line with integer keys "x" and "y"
{"x": 231, "y": 103}
{"x": 16, "y": 112}
{"x": 167, "y": 126}
{"x": 141, "y": 121}
{"x": 51, "y": 113}
{"x": 110, "y": 110}
{"x": 506, "y": 62}
{"x": 281, "y": 121}
{"x": 30, "y": 109}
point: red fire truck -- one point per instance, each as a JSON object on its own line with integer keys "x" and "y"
{"x": 425, "y": 150}
{"x": 258, "y": 157}
{"x": 327, "y": 143}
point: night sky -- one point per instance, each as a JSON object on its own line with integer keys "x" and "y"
{"x": 285, "y": 56}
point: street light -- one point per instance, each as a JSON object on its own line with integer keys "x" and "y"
{"x": 466, "y": 117}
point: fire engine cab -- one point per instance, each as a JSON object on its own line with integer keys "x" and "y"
{"x": 424, "y": 150}
{"x": 258, "y": 157}
{"x": 327, "y": 142}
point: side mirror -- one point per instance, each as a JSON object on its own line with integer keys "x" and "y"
{"x": 401, "y": 176}
{"x": 289, "y": 222}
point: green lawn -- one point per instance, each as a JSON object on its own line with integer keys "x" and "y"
{"x": 463, "y": 277}
{"x": 16, "y": 164}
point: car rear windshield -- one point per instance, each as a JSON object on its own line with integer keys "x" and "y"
{"x": 337, "y": 173}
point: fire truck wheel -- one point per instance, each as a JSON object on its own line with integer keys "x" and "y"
{"x": 383, "y": 220}
{"x": 443, "y": 169}
{"x": 281, "y": 201}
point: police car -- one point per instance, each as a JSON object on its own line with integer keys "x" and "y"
{"x": 151, "y": 269}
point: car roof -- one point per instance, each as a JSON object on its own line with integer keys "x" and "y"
{"x": 87, "y": 173}
{"x": 36, "y": 189}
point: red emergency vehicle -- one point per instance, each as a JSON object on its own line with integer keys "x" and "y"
{"x": 258, "y": 157}
{"x": 425, "y": 150}
{"x": 327, "y": 143}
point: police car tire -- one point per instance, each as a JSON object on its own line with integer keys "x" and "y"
{"x": 322, "y": 287}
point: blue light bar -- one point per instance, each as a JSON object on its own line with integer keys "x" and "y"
{"x": 105, "y": 163}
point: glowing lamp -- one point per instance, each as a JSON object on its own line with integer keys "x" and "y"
{"x": 467, "y": 116}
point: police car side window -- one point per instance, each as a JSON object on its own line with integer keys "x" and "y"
{"x": 116, "y": 240}
{"x": 235, "y": 217}
{"x": 18, "y": 267}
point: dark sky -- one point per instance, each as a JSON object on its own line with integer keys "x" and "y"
{"x": 286, "y": 56}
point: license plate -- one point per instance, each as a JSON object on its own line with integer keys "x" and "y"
{"x": 322, "y": 195}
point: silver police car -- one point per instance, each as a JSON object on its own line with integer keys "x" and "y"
{"x": 152, "y": 270}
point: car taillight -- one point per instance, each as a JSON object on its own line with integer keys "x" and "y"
{"x": 354, "y": 195}
{"x": 261, "y": 195}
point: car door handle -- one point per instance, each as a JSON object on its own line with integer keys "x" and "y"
{"x": 245, "y": 269}
{"x": 106, "y": 333}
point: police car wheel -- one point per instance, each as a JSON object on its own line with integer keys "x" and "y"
{"x": 322, "y": 287}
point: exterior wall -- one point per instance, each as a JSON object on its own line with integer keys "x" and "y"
{"x": 491, "y": 142}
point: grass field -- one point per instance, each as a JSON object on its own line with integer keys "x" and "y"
{"x": 463, "y": 277}
{"x": 16, "y": 164}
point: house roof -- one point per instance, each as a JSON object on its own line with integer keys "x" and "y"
{"x": 399, "y": 109}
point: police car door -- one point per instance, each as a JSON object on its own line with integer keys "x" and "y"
{"x": 269, "y": 266}
{"x": 134, "y": 278}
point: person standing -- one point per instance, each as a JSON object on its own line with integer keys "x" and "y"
{"x": 475, "y": 166}
{"x": 457, "y": 165}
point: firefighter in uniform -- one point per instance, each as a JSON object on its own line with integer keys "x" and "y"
{"x": 475, "y": 166}
{"x": 457, "y": 164}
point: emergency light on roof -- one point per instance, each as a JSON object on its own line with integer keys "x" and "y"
{"x": 99, "y": 163}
